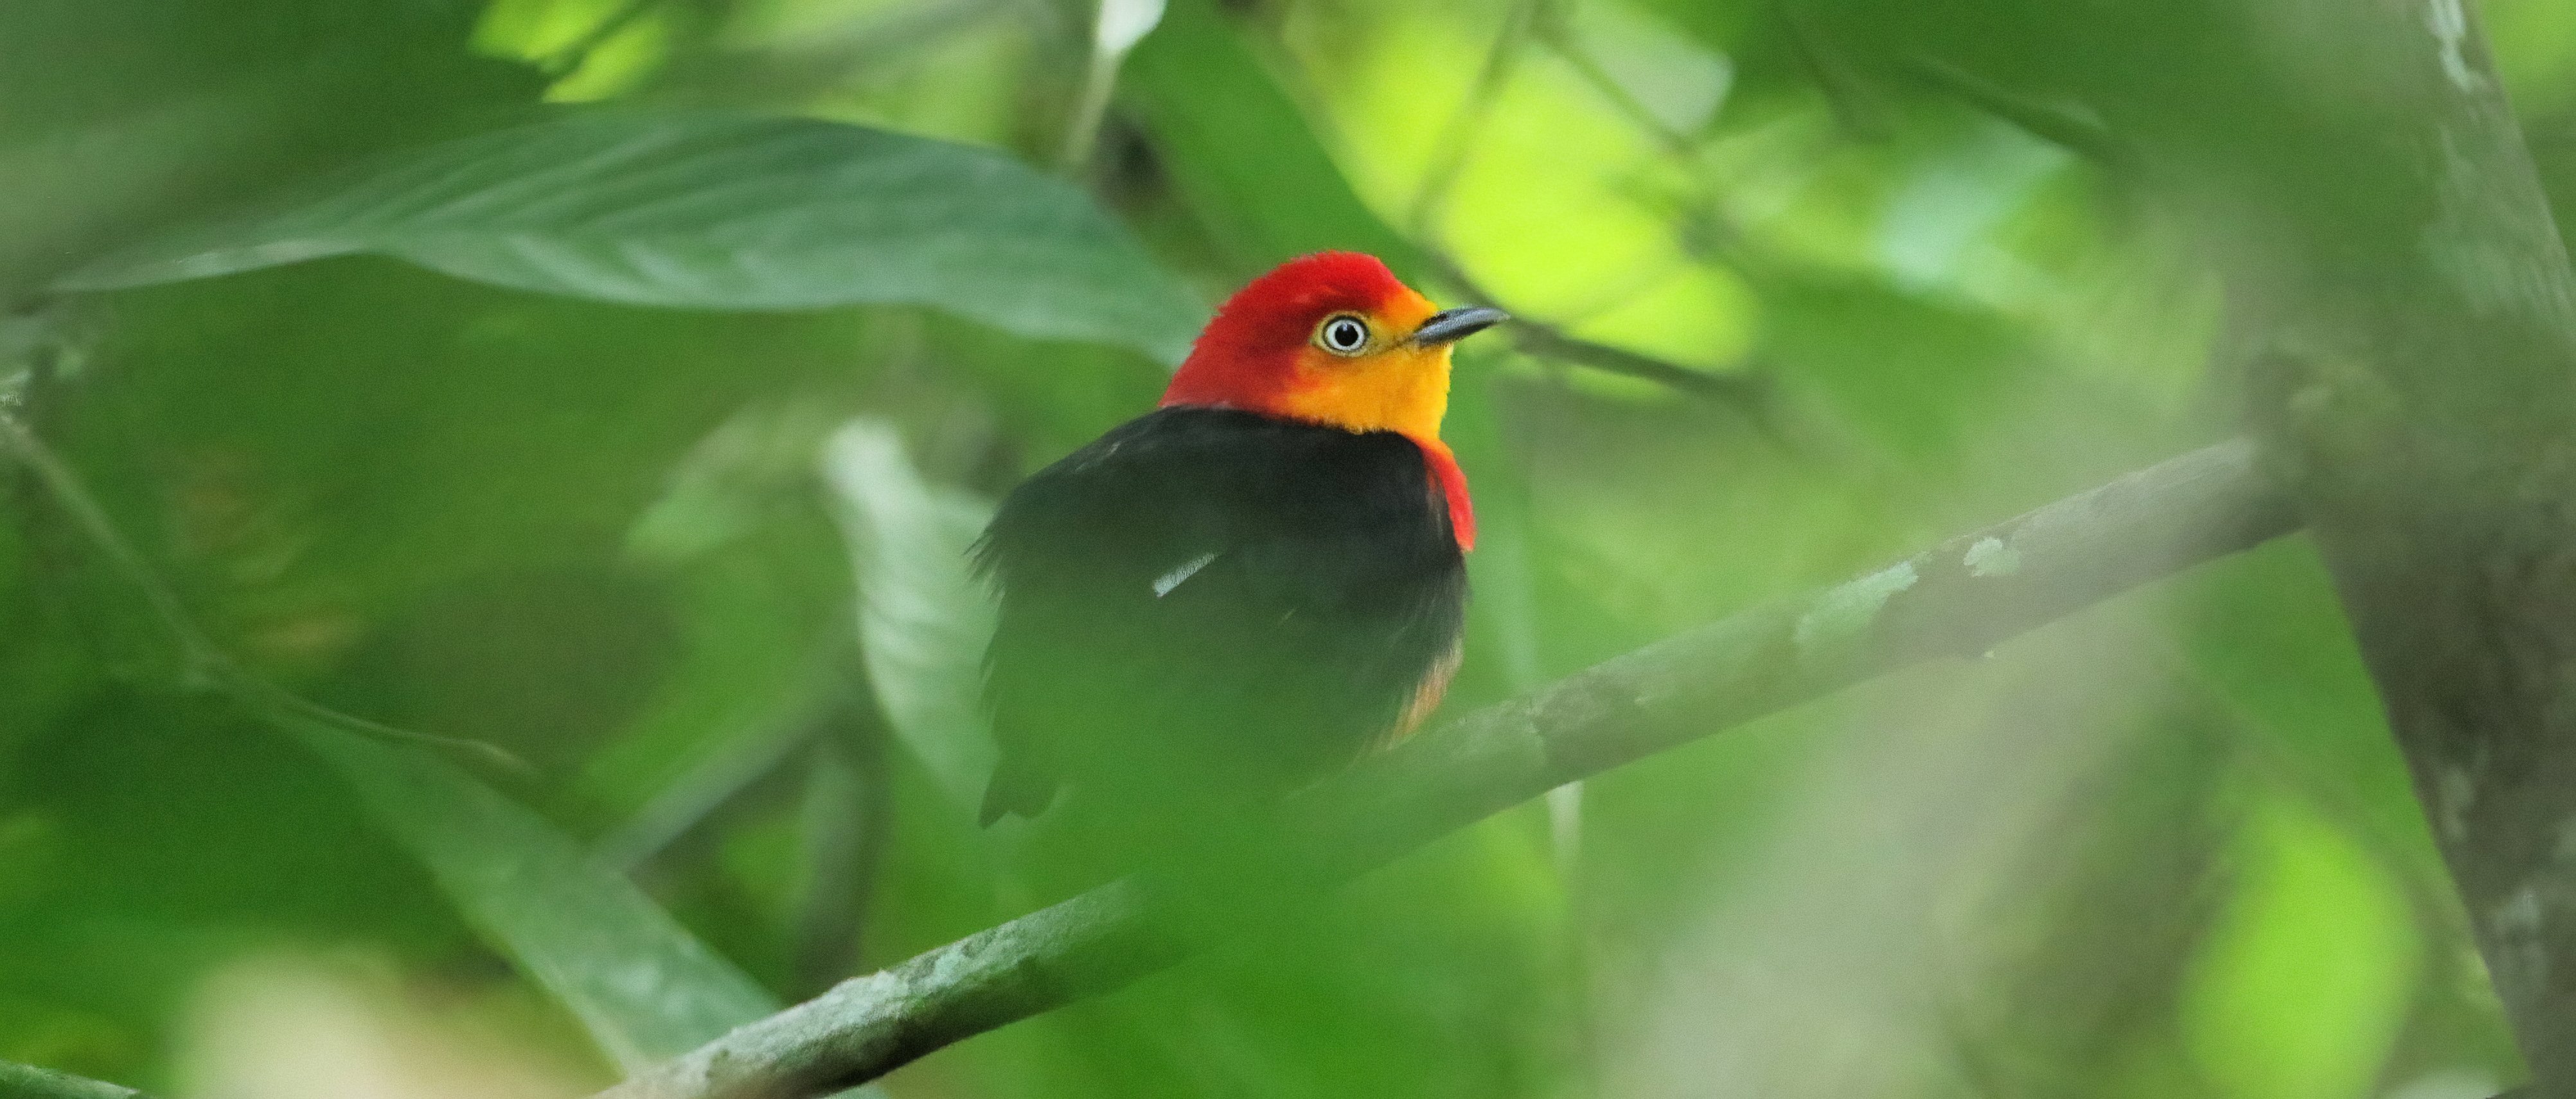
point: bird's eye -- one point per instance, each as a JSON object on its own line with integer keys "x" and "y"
{"x": 1342, "y": 334}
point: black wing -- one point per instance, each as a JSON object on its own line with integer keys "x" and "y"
{"x": 1210, "y": 600}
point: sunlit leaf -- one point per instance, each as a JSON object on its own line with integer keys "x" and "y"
{"x": 718, "y": 211}
{"x": 1122, "y": 22}
{"x": 1939, "y": 229}
{"x": 2274, "y": 648}
{"x": 1239, "y": 149}
{"x": 923, "y": 616}
{"x": 2305, "y": 982}
{"x": 2535, "y": 52}
{"x": 1677, "y": 82}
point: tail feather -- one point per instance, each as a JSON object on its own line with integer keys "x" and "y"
{"x": 1020, "y": 784}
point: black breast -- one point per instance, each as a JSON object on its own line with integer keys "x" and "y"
{"x": 1212, "y": 603}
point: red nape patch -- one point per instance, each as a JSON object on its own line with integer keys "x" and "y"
{"x": 1453, "y": 486}
{"x": 1246, "y": 357}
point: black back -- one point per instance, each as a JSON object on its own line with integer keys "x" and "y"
{"x": 1327, "y": 587}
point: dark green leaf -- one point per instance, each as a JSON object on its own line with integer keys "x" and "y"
{"x": 644, "y": 987}
{"x": 718, "y": 211}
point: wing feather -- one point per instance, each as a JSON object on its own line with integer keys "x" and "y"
{"x": 1211, "y": 596}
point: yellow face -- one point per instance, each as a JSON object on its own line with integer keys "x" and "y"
{"x": 1364, "y": 371}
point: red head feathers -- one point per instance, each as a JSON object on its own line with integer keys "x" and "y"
{"x": 1333, "y": 338}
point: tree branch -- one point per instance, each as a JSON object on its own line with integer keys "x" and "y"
{"x": 29, "y": 1082}
{"x": 1954, "y": 600}
{"x": 2414, "y": 397}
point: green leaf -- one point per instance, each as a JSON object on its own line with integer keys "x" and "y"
{"x": 924, "y": 618}
{"x": 643, "y": 986}
{"x": 2316, "y": 922}
{"x": 1241, "y": 152}
{"x": 718, "y": 211}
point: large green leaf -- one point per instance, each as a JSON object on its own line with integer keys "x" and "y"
{"x": 643, "y": 986}
{"x": 924, "y": 617}
{"x": 718, "y": 211}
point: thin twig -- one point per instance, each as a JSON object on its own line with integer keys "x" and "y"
{"x": 1957, "y": 599}
{"x": 1450, "y": 150}
{"x": 1561, "y": 40}
{"x": 35, "y": 395}
{"x": 1090, "y": 108}
{"x": 196, "y": 653}
{"x": 738, "y": 758}
{"x": 1548, "y": 341}
{"x": 1857, "y": 107}
{"x": 202, "y": 662}
{"x": 2068, "y": 125}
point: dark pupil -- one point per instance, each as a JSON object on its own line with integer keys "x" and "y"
{"x": 1345, "y": 334}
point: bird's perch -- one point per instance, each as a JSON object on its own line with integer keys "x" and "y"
{"x": 1953, "y": 600}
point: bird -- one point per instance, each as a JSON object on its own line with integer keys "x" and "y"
{"x": 1255, "y": 583}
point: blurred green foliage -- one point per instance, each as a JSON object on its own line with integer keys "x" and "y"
{"x": 750, "y": 307}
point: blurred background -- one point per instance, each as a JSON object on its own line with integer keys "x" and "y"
{"x": 666, "y": 497}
